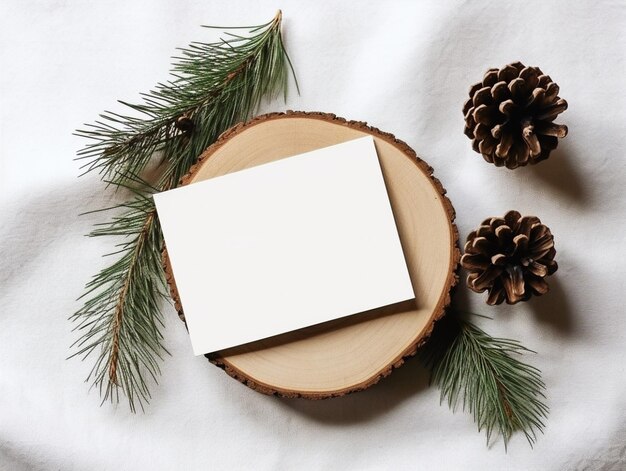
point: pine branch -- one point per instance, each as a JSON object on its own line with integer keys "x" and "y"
{"x": 484, "y": 374}
{"x": 214, "y": 86}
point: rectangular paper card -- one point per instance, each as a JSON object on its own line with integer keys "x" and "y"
{"x": 283, "y": 245}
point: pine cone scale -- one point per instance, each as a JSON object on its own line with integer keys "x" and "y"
{"x": 490, "y": 78}
{"x": 467, "y": 106}
{"x": 517, "y": 87}
{"x": 486, "y": 145}
{"x": 508, "y": 73}
{"x": 500, "y": 92}
{"x": 520, "y": 244}
{"x": 482, "y": 96}
{"x": 538, "y": 269}
{"x": 530, "y": 76}
{"x": 476, "y": 262}
{"x": 551, "y": 112}
{"x": 551, "y": 129}
{"x": 506, "y": 142}
{"x": 552, "y": 90}
{"x": 526, "y": 223}
{"x": 481, "y": 131}
{"x": 498, "y": 259}
{"x": 503, "y": 233}
{"x": 485, "y": 279}
{"x": 474, "y": 89}
{"x": 512, "y": 219}
{"x": 514, "y": 284}
{"x": 496, "y": 295}
{"x": 531, "y": 139}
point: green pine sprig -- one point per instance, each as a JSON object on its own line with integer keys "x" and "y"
{"x": 213, "y": 86}
{"x": 486, "y": 376}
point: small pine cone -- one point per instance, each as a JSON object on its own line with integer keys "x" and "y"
{"x": 184, "y": 124}
{"x": 509, "y": 257}
{"x": 509, "y": 116}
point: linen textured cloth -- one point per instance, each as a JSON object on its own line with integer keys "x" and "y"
{"x": 404, "y": 67}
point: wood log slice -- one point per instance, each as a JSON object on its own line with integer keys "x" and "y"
{"x": 355, "y": 352}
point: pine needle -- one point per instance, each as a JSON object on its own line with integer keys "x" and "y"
{"x": 486, "y": 376}
{"x": 213, "y": 86}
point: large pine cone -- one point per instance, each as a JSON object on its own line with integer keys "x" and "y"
{"x": 509, "y": 116}
{"x": 509, "y": 257}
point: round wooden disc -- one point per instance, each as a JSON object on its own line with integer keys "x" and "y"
{"x": 352, "y": 353}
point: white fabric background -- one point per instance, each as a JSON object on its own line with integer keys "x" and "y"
{"x": 403, "y": 67}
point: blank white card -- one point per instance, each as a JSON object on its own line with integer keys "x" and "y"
{"x": 283, "y": 245}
